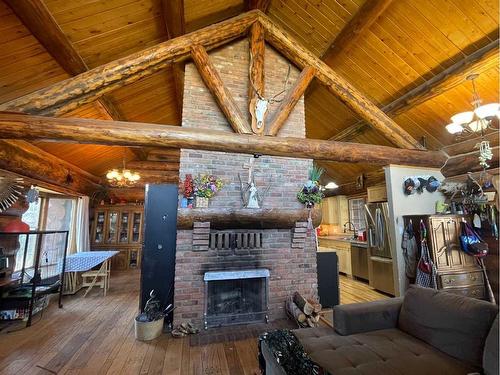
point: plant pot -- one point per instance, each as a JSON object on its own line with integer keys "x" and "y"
{"x": 201, "y": 202}
{"x": 145, "y": 331}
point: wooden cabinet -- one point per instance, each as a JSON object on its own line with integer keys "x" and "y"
{"x": 376, "y": 194}
{"x": 458, "y": 272}
{"x": 343, "y": 250}
{"x": 335, "y": 210}
{"x": 119, "y": 228}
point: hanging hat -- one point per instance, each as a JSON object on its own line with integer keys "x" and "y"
{"x": 432, "y": 184}
{"x": 422, "y": 184}
{"x": 409, "y": 186}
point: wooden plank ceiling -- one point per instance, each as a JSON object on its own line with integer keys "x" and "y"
{"x": 408, "y": 43}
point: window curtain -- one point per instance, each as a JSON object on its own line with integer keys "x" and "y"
{"x": 82, "y": 227}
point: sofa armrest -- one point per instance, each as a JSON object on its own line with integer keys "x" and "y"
{"x": 365, "y": 317}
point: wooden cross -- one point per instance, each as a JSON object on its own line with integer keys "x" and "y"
{"x": 251, "y": 168}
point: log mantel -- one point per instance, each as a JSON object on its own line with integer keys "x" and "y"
{"x": 246, "y": 218}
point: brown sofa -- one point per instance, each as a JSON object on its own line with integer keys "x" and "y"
{"x": 425, "y": 333}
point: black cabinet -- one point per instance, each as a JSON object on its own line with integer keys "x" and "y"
{"x": 158, "y": 255}
{"x": 328, "y": 278}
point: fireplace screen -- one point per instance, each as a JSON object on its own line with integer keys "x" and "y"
{"x": 236, "y": 297}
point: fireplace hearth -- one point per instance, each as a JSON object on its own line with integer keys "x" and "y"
{"x": 236, "y": 297}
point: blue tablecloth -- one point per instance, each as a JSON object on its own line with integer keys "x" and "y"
{"x": 84, "y": 261}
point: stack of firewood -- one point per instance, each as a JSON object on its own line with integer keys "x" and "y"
{"x": 305, "y": 312}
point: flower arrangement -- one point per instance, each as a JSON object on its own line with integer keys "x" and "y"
{"x": 206, "y": 186}
{"x": 188, "y": 186}
{"x": 311, "y": 194}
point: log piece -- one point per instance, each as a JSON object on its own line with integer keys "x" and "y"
{"x": 295, "y": 312}
{"x": 303, "y": 304}
{"x": 229, "y": 218}
{"x": 316, "y": 305}
{"x": 292, "y": 97}
{"x": 257, "y": 46}
{"x": 67, "y": 95}
{"x": 216, "y": 86}
{"x": 17, "y": 126}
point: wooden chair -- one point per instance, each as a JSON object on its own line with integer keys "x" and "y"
{"x": 98, "y": 277}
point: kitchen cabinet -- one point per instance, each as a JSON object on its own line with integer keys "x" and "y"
{"x": 343, "y": 250}
{"x": 359, "y": 261}
{"x": 119, "y": 227}
{"x": 376, "y": 194}
{"x": 335, "y": 210}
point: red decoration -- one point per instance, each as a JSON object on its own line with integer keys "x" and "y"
{"x": 16, "y": 226}
{"x": 188, "y": 186}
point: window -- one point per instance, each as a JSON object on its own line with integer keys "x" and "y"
{"x": 357, "y": 213}
{"x": 49, "y": 213}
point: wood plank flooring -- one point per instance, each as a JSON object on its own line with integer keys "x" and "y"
{"x": 95, "y": 335}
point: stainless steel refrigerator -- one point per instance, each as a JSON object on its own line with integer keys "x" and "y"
{"x": 380, "y": 269}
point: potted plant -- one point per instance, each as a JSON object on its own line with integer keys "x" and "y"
{"x": 311, "y": 193}
{"x": 187, "y": 201}
{"x": 205, "y": 188}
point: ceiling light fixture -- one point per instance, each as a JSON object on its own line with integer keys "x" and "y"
{"x": 331, "y": 185}
{"x": 122, "y": 178}
{"x": 479, "y": 120}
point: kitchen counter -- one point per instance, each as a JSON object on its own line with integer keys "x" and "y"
{"x": 344, "y": 239}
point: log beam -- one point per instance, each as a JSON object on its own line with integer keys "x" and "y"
{"x": 29, "y": 161}
{"x": 369, "y": 12}
{"x": 469, "y": 144}
{"x": 257, "y": 47}
{"x": 336, "y": 84}
{"x": 292, "y": 97}
{"x": 216, "y": 86}
{"x": 477, "y": 62}
{"x": 371, "y": 179}
{"x": 67, "y": 95}
{"x": 152, "y": 165}
{"x": 15, "y": 126}
{"x": 263, "y": 218}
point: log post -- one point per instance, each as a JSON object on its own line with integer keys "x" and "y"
{"x": 292, "y": 97}
{"x": 257, "y": 49}
{"x": 220, "y": 92}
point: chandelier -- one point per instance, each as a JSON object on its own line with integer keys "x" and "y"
{"x": 479, "y": 120}
{"x": 122, "y": 178}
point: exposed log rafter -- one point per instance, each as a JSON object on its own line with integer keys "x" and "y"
{"x": 262, "y": 5}
{"x": 257, "y": 49}
{"x": 216, "y": 86}
{"x": 14, "y": 126}
{"x": 369, "y": 12}
{"x": 67, "y": 95}
{"x": 173, "y": 17}
{"x": 32, "y": 162}
{"x": 337, "y": 85}
{"x": 39, "y": 21}
{"x": 477, "y": 62}
{"x": 292, "y": 97}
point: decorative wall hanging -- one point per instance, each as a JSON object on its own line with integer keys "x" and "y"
{"x": 259, "y": 106}
{"x": 311, "y": 193}
{"x": 417, "y": 184}
{"x": 250, "y": 194}
{"x": 204, "y": 188}
{"x": 11, "y": 188}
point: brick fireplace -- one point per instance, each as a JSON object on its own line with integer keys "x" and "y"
{"x": 287, "y": 254}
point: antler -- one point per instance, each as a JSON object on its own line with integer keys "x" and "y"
{"x": 273, "y": 99}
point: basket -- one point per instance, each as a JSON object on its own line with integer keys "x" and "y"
{"x": 145, "y": 331}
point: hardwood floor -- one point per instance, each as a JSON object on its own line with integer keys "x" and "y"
{"x": 95, "y": 335}
{"x": 353, "y": 291}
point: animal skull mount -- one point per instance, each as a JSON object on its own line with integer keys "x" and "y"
{"x": 258, "y": 110}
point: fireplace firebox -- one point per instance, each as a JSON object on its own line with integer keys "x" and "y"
{"x": 236, "y": 297}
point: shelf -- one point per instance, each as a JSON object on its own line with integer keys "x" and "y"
{"x": 246, "y": 218}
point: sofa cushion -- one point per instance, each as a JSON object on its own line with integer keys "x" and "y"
{"x": 454, "y": 324}
{"x": 387, "y": 352}
{"x": 490, "y": 355}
